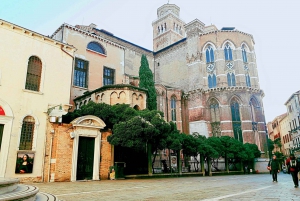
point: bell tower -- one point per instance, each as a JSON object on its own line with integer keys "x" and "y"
{"x": 168, "y": 28}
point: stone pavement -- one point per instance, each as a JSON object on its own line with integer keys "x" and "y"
{"x": 233, "y": 187}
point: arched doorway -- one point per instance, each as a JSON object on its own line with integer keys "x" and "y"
{"x": 86, "y": 148}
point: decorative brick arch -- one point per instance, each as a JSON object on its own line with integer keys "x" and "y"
{"x": 87, "y": 126}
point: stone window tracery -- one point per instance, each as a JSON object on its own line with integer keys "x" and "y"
{"x": 212, "y": 81}
{"x": 236, "y": 120}
{"x": 231, "y": 79}
{"x": 215, "y": 117}
{"x": 248, "y": 82}
{"x": 228, "y": 52}
{"x": 210, "y": 57}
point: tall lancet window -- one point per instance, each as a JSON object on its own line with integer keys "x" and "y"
{"x": 173, "y": 108}
{"x": 215, "y": 117}
{"x": 212, "y": 81}
{"x": 228, "y": 52}
{"x": 210, "y": 57}
{"x": 236, "y": 120}
{"x": 244, "y": 54}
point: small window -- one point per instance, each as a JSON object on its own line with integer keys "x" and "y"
{"x": 108, "y": 76}
{"x": 228, "y": 52}
{"x": 27, "y": 133}
{"x": 80, "y": 73}
{"x": 34, "y": 72}
{"x": 96, "y": 47}
{"x": 231, "y": 79}
{"x": 210, "y": 57}
{"x": 173, "y": 109}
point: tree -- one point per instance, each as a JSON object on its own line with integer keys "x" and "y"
{"x": 139, "y": 132}
{"x": 270, "y": 147}
{"x": 147, "y": 82}
{"x": 252, "y": 153}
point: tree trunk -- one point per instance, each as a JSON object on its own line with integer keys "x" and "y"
{"x": 179, "y": 163}
{"x": 209, "y": 166}
{"x": 226, "y": 164}
{"x": 202, "y": 164}
{"x": 149, "y": 159}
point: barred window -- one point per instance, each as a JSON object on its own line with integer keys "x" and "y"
{"x": 1, "y": 134}
{"x": 108, "y": 76}
{"x": 27, "y": 133}
{"x": 96, "y": 47}
{"x": 34, "y": 72}
{"x": 173, "y": 109}
{"x": 80, "y": 73}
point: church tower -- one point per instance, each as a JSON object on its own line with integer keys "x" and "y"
{"x": 168, "y": 28}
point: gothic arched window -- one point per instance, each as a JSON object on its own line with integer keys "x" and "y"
{"x": 231, "y": 79}
{"x": 248, "y": 82}
{"x": 34, "y": 74}
{"x": 27, "y": 133}
{"x": 210, "y": 57}
{"x": 173, "y": 109}
{"x": 96, "y": 47}
{"x": 244, "y": 54}
{"x": 236, "y": 120}
{"x": 212, "y": 81}
{"x": 215, "y": 117}
{"x": 228, "y": 52}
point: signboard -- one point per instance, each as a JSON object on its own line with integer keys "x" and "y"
{"x": 174, "y": 161}
{"x": 24, "y": 163}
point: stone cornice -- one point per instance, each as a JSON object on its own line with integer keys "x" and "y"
{"x": 169, "y": 14}
{"x": 237, "y": 31}
{"x": 88, "y": 34}
{"x": 236, "y": 88}
{"x": 35, "y": 34}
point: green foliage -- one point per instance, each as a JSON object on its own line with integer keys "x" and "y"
{"x": 147, "y": 82}
{"x": 149, "y": 128}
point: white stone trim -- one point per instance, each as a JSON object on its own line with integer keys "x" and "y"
{"x": 247, "y": 131}
{"x": 226, "y": 131}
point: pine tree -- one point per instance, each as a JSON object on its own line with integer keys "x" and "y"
{"x": 147, "y": 82}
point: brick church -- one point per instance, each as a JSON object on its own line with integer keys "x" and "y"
{"x": 206, "y": 81}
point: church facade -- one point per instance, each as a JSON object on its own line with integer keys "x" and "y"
{"x": 206, "y": 81}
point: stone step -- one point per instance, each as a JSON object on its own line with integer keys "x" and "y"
{"x": 21, "y": 193}
{"x": 45, "y": 197}
{"x": 8, "y": 185}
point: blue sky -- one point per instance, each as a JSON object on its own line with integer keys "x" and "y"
{"x": 273, "y": 23}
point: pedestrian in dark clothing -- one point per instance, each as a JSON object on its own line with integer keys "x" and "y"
{"x": 293, "y": 168}
{"x": 273, "y": 166}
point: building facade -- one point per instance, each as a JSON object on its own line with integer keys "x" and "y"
{"x": 293, "y": 114}
{"x": 31, "y": 65}
{"x": 215, "y": 72}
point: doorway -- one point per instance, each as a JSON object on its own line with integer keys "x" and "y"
{"x": 85, "y": 159}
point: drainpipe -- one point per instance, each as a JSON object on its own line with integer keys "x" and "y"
{"x": 50, "y": 154}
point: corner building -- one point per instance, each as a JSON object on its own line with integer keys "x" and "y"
{"x": 207, "y": 79}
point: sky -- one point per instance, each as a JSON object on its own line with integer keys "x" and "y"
{"x": 274, "y": 24}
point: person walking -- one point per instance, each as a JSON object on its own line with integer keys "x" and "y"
{"x": 273, "y": 166}
{"x": 293, "y": 168}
